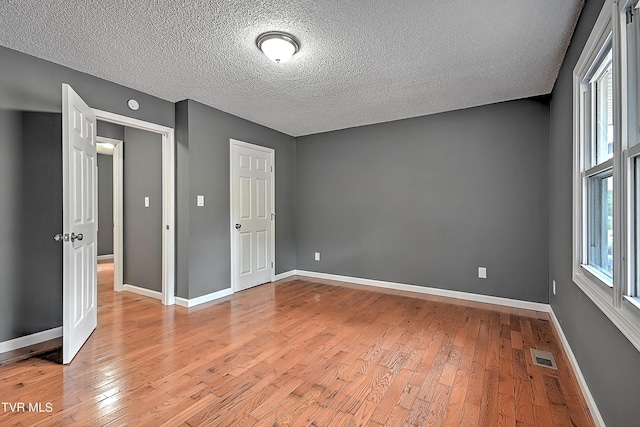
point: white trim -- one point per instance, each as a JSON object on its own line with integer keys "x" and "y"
{"x": 527, "y": 305}
{"x": 598, "y": 169}
{"x": 596, "y": 40}
{"x": 183, "y": 302}
{"x": 626, "y": 318}
{"x": 105, "y": 257}
{"x": 126, "y": 121}
{"x": 273, "y": 215}
{"x": 619, "y": 231}
{"x": 31, "y": 339}
{"x": 633, "y": 151}
{"x": 272, "y": 155}
{"x": 168, "y": 195}
{"x": 284, "y": 275}
{"x": 142, "y": 291}
{"x": 118, "y": 218}
{"x": 168, "y": 218}
{"x": 591, "y": 403}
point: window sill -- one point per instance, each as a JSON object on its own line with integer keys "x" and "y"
{"x": 626, "y": 318}
{"x": 597, "y": 276}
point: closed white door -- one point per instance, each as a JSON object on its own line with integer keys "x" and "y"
{"x": 79, "y": 171}
{"x": 252, "y": 214}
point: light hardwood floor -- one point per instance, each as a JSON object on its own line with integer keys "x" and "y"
{"x": 302, "y": 352}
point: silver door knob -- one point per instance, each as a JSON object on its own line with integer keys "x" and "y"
{"x": 75, "y": 236}
{"x": 58, "y": 237}
{"x": 238, "y": 226}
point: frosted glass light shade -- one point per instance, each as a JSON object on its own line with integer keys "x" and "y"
{"x": 278, "y": 47}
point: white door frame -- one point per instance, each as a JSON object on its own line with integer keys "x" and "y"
{"x": 168, "y": 201}
{"x": 234, "y": 244}
{"x": 118, "y": 206}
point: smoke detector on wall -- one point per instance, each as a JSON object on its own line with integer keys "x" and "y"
{"x": 133, "y": 104}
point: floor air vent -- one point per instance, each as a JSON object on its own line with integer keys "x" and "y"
{"x": 543, "y": 358}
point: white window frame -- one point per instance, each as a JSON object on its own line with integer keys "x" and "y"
{"x": 610, "y": 296}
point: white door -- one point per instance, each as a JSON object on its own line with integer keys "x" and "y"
{"x": 252, "y": 214}
{"x": 80, "y": 314}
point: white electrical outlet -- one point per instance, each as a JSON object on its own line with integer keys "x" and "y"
{"x": 146, "y": 202}
{"x": 554, "y": 287}
{"x": 482, "y": 272}
{"x": 317, "y": 256}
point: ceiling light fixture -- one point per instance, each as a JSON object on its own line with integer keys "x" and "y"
{"x": 278, "y": 46}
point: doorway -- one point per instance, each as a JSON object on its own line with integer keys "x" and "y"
{"x": 110, "y": 205}
{"x": 168, "y": 201}
{"x": 132, "y": 214}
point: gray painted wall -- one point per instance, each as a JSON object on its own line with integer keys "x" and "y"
{"x": 30, "y": 185}
{"x": 10, "y": 222}
{"x": 31, "y": 176}
{"x": 41, "y": 256}
{"x": 105, "y": 204}
{"x": 142, "y": 226}
{"x": 31, "y": 84}
{"x": 426, "y": 201}
{"x": 203, "y": 135}
{"x": 110, "y": 130}
{"x": 607, "y": 359}
{"x": 182, "y": 199}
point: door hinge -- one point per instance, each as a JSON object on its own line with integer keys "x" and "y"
{"x": 629, "y": 15}
{"x": 271, "y": 264}
{"x": 167, "y": 226}
{"x": 273, "y": 216}
{"x": 271, "y": 169}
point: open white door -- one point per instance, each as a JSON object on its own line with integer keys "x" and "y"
{"x": 252, "y": 215}
{"x": 79, "y": 220}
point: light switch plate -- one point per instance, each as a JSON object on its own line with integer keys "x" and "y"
{"x": 200, "y": 200}
{"x": 146, "y": 202}
{"x": 482, "y": 272}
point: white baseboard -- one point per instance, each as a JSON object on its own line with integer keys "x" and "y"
{"x": 142, "y": 291}
{"x": 184, "y": 302}
{"x": 527, "y": 305}
{"x": 105, "y": 257}
{"x": 284, "y": 275}
{"x": 591, "y": 403}
{"x": 32, "y": 339}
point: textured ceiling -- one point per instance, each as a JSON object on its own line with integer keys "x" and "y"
{"x": 360, "y": 62}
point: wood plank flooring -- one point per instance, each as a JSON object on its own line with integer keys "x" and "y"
{"x": 302, "y": 352}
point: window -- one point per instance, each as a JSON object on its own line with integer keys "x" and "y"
{"x": 606, "y": 203}
{"x": 601, "y": 123}
{"x": 596, "y": 145}
{"x": 600, "y": 224}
